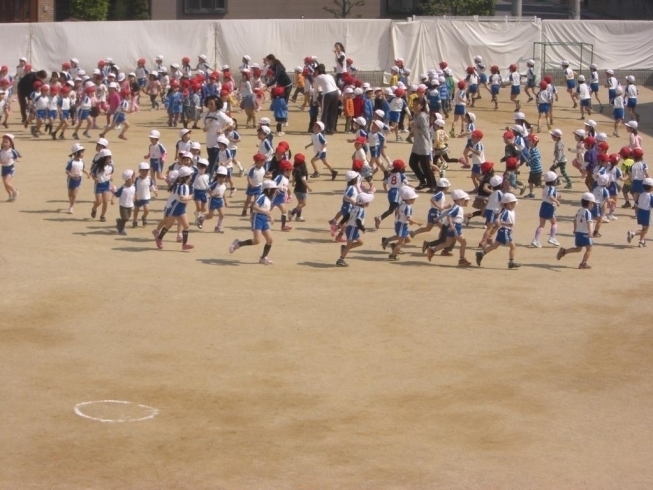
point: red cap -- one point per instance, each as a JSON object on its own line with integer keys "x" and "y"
{"x": 638, "y": 153}
{"x": 90, "y": 89}
{"x": 625, "y": 152}
{"x": 278, "y": 91}
{"x": 513, "y": 67}
{"x": 603, "y": 146}
{"x": 398, "y": 164}
{"x": 284, "y": 144}
{"x": 509, "y": 134}
{"x": 65, "y": 65}
{"x": 259, "y": 157}
{"x": 285, "y": 165}
{"x": 280, "y": 149}
{"x": 28, "y": 67}
{"x": 613, "y": 158}
{"x": 511, "y": 163}
{"x": 361, "y": 140}
{"x": 399, "y": 92}
{"x": 543, "y": 85}
{"x": 603, "y": 157}
{"x": 224, "y": 93}
{"x": 461, "y": 84}
{"x": 101, "y": 63}
{"x": 141, "y": 61}
{"x": 486, "y": 167}
{"x": 185, "y": 93}
{"x": 443, "y": 65}
{"x": 470, "y": 70}
{"x": 357, "y": 165}
{"x": 349, "y": 61}
{"x": 589, "y": 141}
{"x": 478, "y": 134}
{"x": 534, "y": 138}
{"x": 185, "y": 59}
{"x": 494, "y": 69}
{"x": 548, "y": 79}
{"x": 299, "y": 158}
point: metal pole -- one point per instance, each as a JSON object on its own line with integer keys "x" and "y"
{"x": 574, "y": 9}
{"x": 516, "y": 7}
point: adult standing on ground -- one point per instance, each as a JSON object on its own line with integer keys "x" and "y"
{"x": 279, "y": 78}
{"x": 341, "y": 62}
{"x": 25, "y": 88}
{"x": 330, "y": 94}
{"x": 216, "y": 123}
{"x": 420, "y": 155}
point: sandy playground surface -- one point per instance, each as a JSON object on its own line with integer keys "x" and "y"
{"x": 301, "y": 375}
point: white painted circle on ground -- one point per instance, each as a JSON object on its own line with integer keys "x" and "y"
{"x": 115, "y": 411}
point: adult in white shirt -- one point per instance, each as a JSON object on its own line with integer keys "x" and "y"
{"x": 216, "y": 123}
{"x": 341, "y": 61}
{"x": 326, "y": 84}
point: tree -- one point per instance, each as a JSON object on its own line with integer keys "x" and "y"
{"x": 85, "y": 10}
{"x": 342, "y": 8}
{"x": 129, "y": 10}
{"x": 457, "y": 7}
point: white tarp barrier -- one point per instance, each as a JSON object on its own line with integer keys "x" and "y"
{"x": 15, "y": 42}
{"x": 621, "y": 45}
{"x": 125, "y": 42}
{"x": 366, "y": 42}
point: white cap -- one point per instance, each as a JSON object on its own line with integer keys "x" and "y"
{"x": 508, "y": 198}
{"x": 159, "y": 57}
{"x": 413, "y": 88}
{"x": 401, "y": 85}
{"x": 591, "y": 123}
{"x": 222, "y": 170}
{"x": 127, "y": 174}
{"x": 580, "y": 133}
{"x": 76, "y": 147}
{"x": 530, "y": 62}
{"x": 102, "y": 141}
{"x": 387, "y": 91}
{"x": 195, "y": 145}
{"x": 320, "y": 124}
{"x": 447, "y": 71}
{"x": 360, "y": 121}
{"x": 422, "y": 86}
{"x": 175, "y": 66}
{"x": 269, "y": 184}
{"x": 603, "y": 180}
{"x": 131, "y": 74}
{"x": 264, "y": 129}
{"x": 223, "y": 140}
{"x": 496, "y": 180}
{"x": 172, "y": 176}
{"x": 518, "y": 129}
{"x": 478, "y": 58}
{"x": 113, "y": 85}
{"x": 588, "y": 196}
{"x": 443, "y": 182}
{"x": 439, "y": 123}
{"x": 556, "y": 132}
{"x": 185, "y": 172}
{"x": 351, "y": 175}
{"x": 247, "y": 57}
{"x": 163, "y": 69}
{"x": 144, "y": 166}
{"x": 154, "y": 134}
{"x": 104, "y": 152}
{"x": 593, "y": 66}
{"x": 648, "y": 181}
{"x": 364, "y": 198}
{"x": 609, "y": 71}
{"x": 564, "y": 63}
{"x": 459, "y": 194}
{"x": 356, "y": 91}
{"x": 185, "y": 154}
{"x": 202, "y": 57}
{"x": 519, "y": 115}
{"x": 121, "y": 76}
{"x": 581, "y": 78}
{"x": 97, "y": 72}
{"x": 632, "y": 124}
{"x": 619, "y": 90}
{"x": 299, "y": 69}
{"x": 183, "y": 132}
{"x": 379, "y": 113}
{"x": 22, "y": 58}
{"x": 264, "y": 120}
{"x": 407, "y": 192}
{"x": 379, "y": 124}
{"x": 472, "y": 116}
{"x": 630, "y": 79}
{"x": 601, "y": 137}
{"x": 203, "y": 161}
{"x": 550, "y": 176}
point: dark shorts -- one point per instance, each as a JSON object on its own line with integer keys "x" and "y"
{"x": 535, "y": 178}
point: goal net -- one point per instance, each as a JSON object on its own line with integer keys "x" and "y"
{"x": 549, "y": 55}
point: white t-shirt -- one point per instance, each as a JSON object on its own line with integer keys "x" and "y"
{"x": 75, "y": 167}
{"x": 584, "y": 91}
{"x": 494, "y": 201}
{"x": 507, "y": 218}
{"x": 582, "y": 219}
{"x": 201, "y": 182}
{"x": 569, "y": 73}
{"x": 126, "y": 196}
{"x": 143, "y": 188}
{"x": 215, "y": 122}
{"x": 638, "y": 171}
{"x": 325, "y": 84}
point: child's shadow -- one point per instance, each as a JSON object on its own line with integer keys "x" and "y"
{"x": 219, "y": 262}
{"x": 311, "y": 240}
{"x": 318, "y": 265}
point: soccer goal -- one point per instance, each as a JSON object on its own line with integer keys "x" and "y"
{"x": 550, "y": 54}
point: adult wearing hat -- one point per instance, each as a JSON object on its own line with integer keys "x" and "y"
{"x": 25, "y": 88}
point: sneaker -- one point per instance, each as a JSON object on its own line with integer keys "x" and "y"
{"x": 425, "y": 245}
{"x": 612, "y": 217}
{"x": 429, "y": 253}
{"x": 122, "y": 232}
{"x": 340, "y": 238}
{"x": 384, "y": 243}
{"x": 584, "y": 265}
{"x": 159, "y": 243}
{"x": 513, "y": 265}
{"x": 200, "y": 221}
{"x": 333, "y": 229}
{"x": 522, "y": 190}
{"x": 187, "y": 246}
{"x": 334, "y": 174}
{"x": 377, "y": 222}
{"x": 102, "y": 219}
{"x": 605, "y": 219}
{"x": 642, "y": 244}
{"x": 536, "y": 244}
{"x": 86, "y": 134}
{"x": 234, "y": 246}
{"x": 265, "y": 261}
{"x": 626, "y": 205}
{"x": 399, "y": 138}
{"x": 70, "y": 210}
{"x": 300, "y": 219}
{"x": 93, "y": 213}
{"x": 155, "y": 234}
{"x": 341, "y": 263}
{"x": 286, "y": 228}
{"x": 180, "y": 238}
{"x": 553, "y": 241}
{"x": 393, "y": 257}
{"x": 464, "y": 262}
{"x": 479, "y": 258}
{"x": 315, "y": 175}
{"x": 568, "y": 186}
{"x": 144, "y": 222}
{"x": 597, "y": 235}
{"x": 218, "y": 229}
{"x": 446, "y": 253}
{"x": 629, "y": 236}
{"x": 62, "y": 137}
{"x": 561, "y": 253}
{"x": 530, "y": 195}
{"x": 15, "y": 195}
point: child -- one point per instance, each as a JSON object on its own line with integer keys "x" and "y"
{"x": 437, "y": 207}
{"x": 638, "y": 172}
{"x": 510, "y": 181}
{"x": 495, "y": 85}
{"x": 319, "y": 144}
{"x": 41, "y": 102}
{"x": 255, "y": 178}
{"x": 174, "y": 103}
{"x": 477, "y": 150}
{"x": 578, "y": 162}
{"x": 300, "y": 83}
{"x": 548, "y": 209}
{"x": 226, "y": 158}
{"x": 126, "y": 194}
{"x": 101, "y": 172}
{"x": 514, "y": 80}
{"x": 459, "y": 109}
{"x": 631, "y": 97}
{"x": 602, "y": 197}
{"x": 559, "y": 156}
{"x": 571, "y": 83}
{"x": 8, "y": 158}
{"x": 234, "y": 138}
{"x": 504, "y": 235}
{"x": 352, "y": 178}
{"x": 594, "y": 84}
{"x": 74, "y": 170}
{"x": 348, "y": 109}
{"x": 261, "y": 221}
{"x": 454, "y": 217}
{"x": 614, "y": 172}
{"x": 530, "y": 80}
{"x": 200, "y": 188}
{"x": 145, "y": 186}
{"x": 492, "y": 209}
{"x": 404, "y": 218}
{"x": 265, "y": 147}
{"x": 395, "y": 180}
{"x": 153, "y": 89}
{"x": 441, "y": 147}
{"x": 634, "y": 139}
{"x": 217, "y": 190}
{"x": 583, "y": 230}
{"x": 472, "y": 83}
{"x": 301, "y": 187}
{"x": 176, "y": 210}
{"x": 156, "y": 155}
{"x": 376, "y": 142}
{"x": 470, "y": 120}
{"x": 64, "y": 104}
{"x": 626, "y": 163}
{"x": 281, "y": 197}
{"x": 535, "y": 164}
{"x": 543, "y": 105}
{"x": 397, "y": 107}
{"x": 355, "y": 225}
{"x": 584, "y": 93}
{"x": 279, "y": 108}
{"x": 618, "y": 110}
{"x": 120, "y": 116}
{"x": 644, "y": 204}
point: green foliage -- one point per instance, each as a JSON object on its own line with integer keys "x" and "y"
{"x": 129, "y": 10}
{"x": 342, "y": 8}
{"x": 457, "y": 7}
{"x": 89, "y": 10}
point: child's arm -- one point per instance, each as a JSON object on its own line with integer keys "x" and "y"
{"x": 413, "y": 222}
{"x": 308, "y": 187}
{"x": 308, "y": 146}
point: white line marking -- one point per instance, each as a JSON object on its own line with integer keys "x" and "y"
{"x": 151, "y": 412}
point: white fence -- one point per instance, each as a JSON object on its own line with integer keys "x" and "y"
{"x": 373, "y": 44}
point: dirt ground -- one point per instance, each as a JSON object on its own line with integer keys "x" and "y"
{"x": 301, "y": 375}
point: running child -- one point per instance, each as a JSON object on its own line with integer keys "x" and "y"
{"x": 281, "y": 197}
{"x": 319, "y": 144}
{"x": 435, "y": 211}
{"x": 395, "y": 180}
{"x": 626, "y": 163}
{"x": 530, "y": 81}
{"x": 301, "y": 188}
{"x": 584, "y": 94}
{"x": 126, "y": 195}
{"x": 543, "y": 105}
{"x": 261, "y": 221}
{"x": 74, "y": 170}
{"x": 535, "y": 164}
{"x": 492, "y": 210}
{"x": 634, "y": 139}
{"x": 145, "y": 186}
{"x": 101, "y": 173}
{"x": 470, "y": 126}
{"x": 156, "y": 156}
{"x": 460, "y": 108}
{"x": 644, "y": 204}
{"x": 594, "y": 84}
{"x": 559, "y": 156}
{"x": 583, "y": 231}
{"x": 548, "y": 210}
{"x": 8, "y": 158}
{"x": 120, "y": 116}
{"x": 352, "y": 178}
{"x": 514, "y": 80}
{"x": 602, "y": 197}
{"x": 495, "y": 85}
{"x": 454, "y": 218}
{"x": 355, "y": 226}
{"x": 631, "y": 97}
{"x": 638, "y": 173}
{"x": 176, "y": 210}
{"x": 218, "y": 201}
{"x": 200, "y": 190}
{"x": 403, "y": 219}
{"x": 571, "y": 82}
{"x": 618, "y": 110}
{"x": 255, "y": 178}
{"x": 506, "y": 223}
